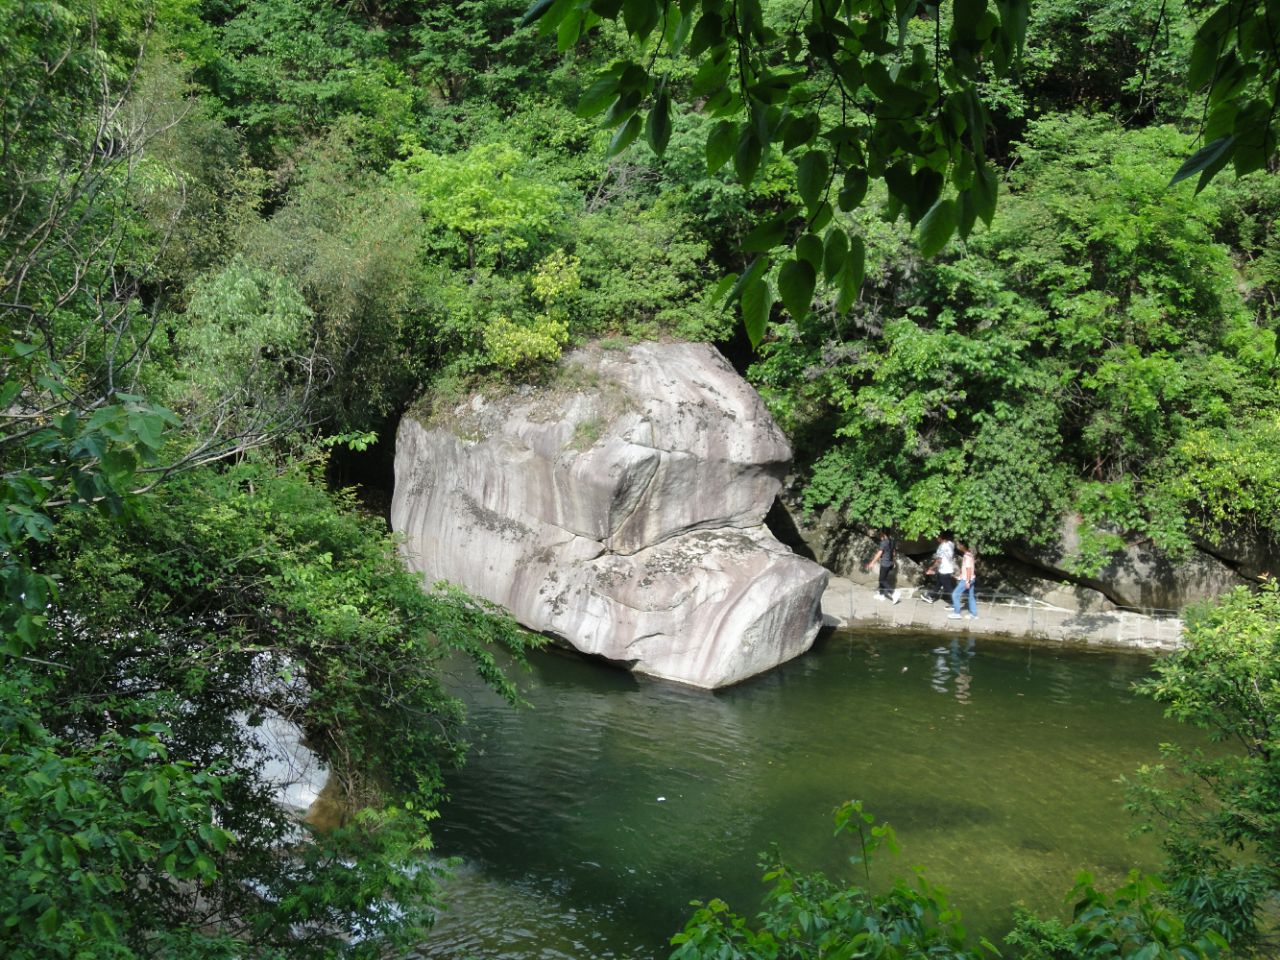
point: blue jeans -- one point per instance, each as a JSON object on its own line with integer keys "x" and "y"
{"x": 962, "y": 590}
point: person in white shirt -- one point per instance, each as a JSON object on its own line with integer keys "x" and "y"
{"x": 943, "y": 568}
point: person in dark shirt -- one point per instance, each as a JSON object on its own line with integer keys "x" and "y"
{"x": 885, "y": 557}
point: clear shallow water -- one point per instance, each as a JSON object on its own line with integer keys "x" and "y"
{"x": 995, "y": 763}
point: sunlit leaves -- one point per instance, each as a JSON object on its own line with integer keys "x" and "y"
{"x": 1236, "y": 61}
{"x": 772, "y": 91}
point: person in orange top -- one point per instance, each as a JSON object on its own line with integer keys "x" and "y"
{"x": 965, "y": 580}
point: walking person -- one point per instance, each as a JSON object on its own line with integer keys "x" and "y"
{"x": 943, "y": 569}
{"x": 965, "y": 585}
{"x": 885, "y": 557}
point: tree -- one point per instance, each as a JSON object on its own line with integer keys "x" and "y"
{"x": 1235, "y": 61}
{"x": 485, "y": 195}
{"x": 858, "y": 91}
{"x": 854, "y": 90}
{"x": 1090, "y": 353}
{"x": 1218, "y": 811}
{"x": 162, "y": 601}
{"x": 230, "y": 599}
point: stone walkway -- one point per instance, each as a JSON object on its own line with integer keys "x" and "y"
{"x": 849, "y": 604}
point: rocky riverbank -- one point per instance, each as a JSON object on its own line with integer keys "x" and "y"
{"x": 847, "y": 604}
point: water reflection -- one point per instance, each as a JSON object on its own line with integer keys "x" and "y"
{"x": 951, "y": 666}
{"x": 612, "y": 802}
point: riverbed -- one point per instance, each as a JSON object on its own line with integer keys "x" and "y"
{"x": 584, "y": 823}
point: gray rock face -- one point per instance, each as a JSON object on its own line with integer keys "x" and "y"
{"x": 620, "y": 508}
{"x": 1136, "y": 577}
{"x": 1139, "y": 576}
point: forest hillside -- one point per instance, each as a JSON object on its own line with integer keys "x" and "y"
{"x": 240, "y": 237}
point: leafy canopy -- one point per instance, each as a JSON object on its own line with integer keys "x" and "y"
{"x": 852, "y": 90}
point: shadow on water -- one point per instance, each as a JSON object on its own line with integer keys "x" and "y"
{"x": 587, "y": 823}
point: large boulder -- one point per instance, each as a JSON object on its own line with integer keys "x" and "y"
{"x": 620, "y": 507}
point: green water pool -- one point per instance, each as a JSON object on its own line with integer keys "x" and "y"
{"x": 585, "y": 823}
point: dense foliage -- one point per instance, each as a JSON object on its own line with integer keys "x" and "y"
{"x": 238, "y": 238}
{"x": 1218, "y": 810}
{"x": 182, "y": 588}
{"x": 1094, "y": 353}
{"x": 435, "y": 186}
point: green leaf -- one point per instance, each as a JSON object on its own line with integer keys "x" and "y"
{"x": 927, "y": 186}
{"x": 986, "y": 187}
{"x": 625, "y": 136}
{"x": 707, "y": 34}
{"x": 658, "y": 125}
{"x": 757, "y": 301}
{"x": 536, "y": 12}
{"x": 751, "y": 16}
{"x": 937, "y": 226}
{"x": 799, "y": 130}
{"x": 746, "y": 159}
{"x": 822, "y": 216}
{"x": 849, "y": 280}
{"x": 48, "y": 921}
{"x": 796, "y": 281}
{"x": 1013, "y": 18}
{"x": 721, "y": 289}
{"x": 1214, "y": 155}
{"x": 809, "y": 248}
{"x": 623, "y": 108}
{"x": 569, "y": 31}
{"x": 756, "y": 269}
{"x": 834, "y": 253}
{"x": 966, "y": 213}
{"x": 854, "y": 189}
{"x": 1203, "y": 58}
{"x": 769, "y": 234}
{"x": 640, "y": 17}
{"x": 598, "y": 96}
{"x": 966, "y": 14}
{"x": 905, "y": 10}
{"x": 8, "y": 393}
{"x": 811, "y": 177}
{"x": 679, "y": 36}
{"x": 720, "y": 144}
{"x": 765, "y": 237}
